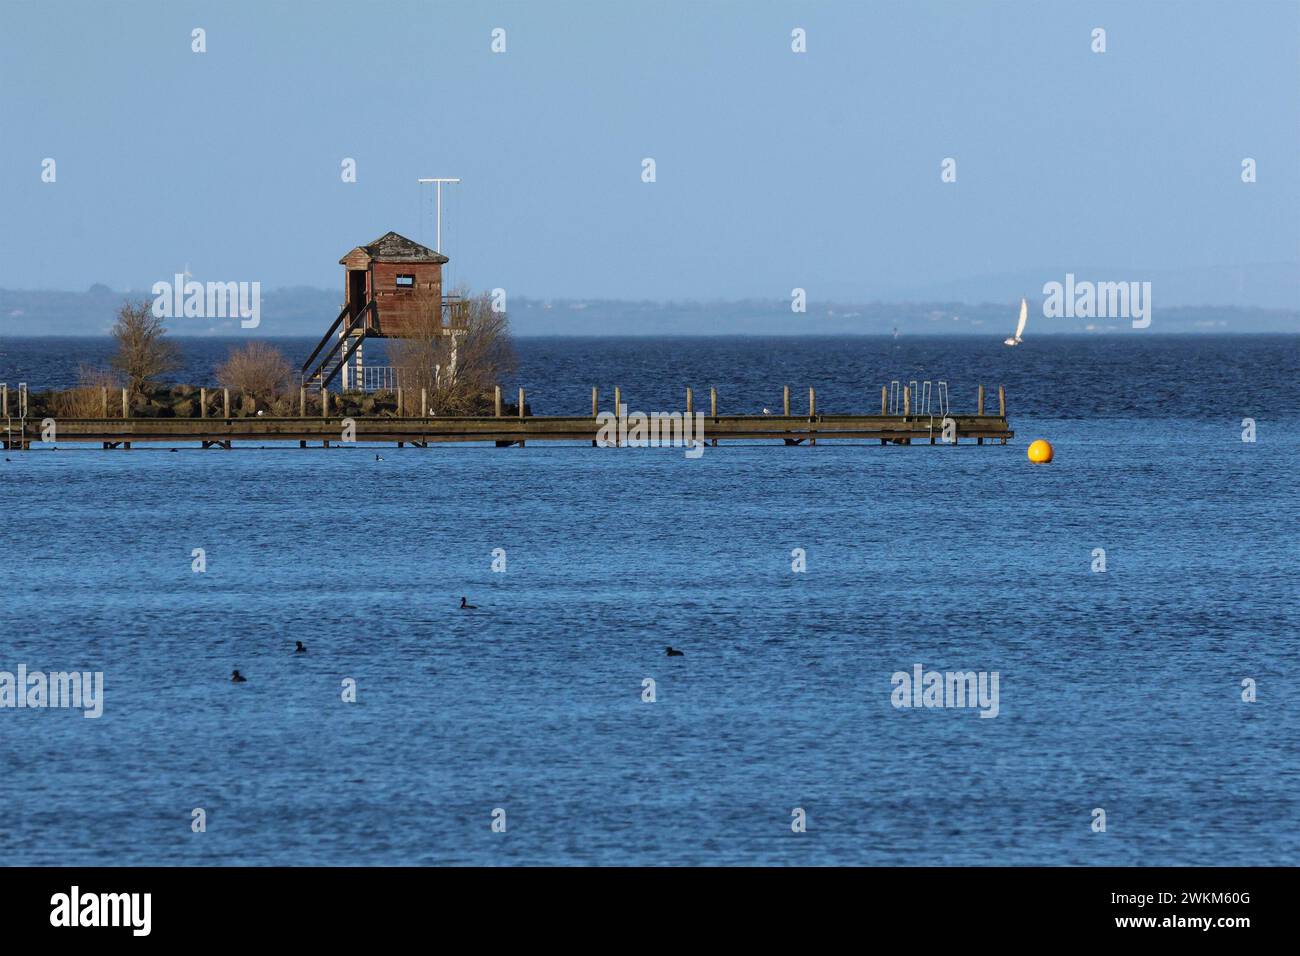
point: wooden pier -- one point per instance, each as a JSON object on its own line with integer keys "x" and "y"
{"x": 503, "y": 430}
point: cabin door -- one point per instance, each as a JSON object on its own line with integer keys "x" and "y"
{"x": 356, "y": 291}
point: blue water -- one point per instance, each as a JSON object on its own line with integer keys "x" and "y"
{"x": 1118, "y": 690}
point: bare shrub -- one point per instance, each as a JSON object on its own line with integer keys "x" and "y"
{"x": 86, "y": 400}
{"x": 143, "y": 351}
{"x": 457, "y": 365}
{"x": 256, "y": 369}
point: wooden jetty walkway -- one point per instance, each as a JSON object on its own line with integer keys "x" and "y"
{"x": 905, "y": 427}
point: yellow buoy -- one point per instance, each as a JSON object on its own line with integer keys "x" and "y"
{"x": 1040, "y": 452}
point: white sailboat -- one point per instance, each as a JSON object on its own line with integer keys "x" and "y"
{"x": 1020, "y": 326}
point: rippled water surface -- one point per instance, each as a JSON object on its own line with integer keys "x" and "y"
{"x": 1118, "y": 690}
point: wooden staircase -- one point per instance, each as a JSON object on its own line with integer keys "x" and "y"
{"x": 335, "y": 348}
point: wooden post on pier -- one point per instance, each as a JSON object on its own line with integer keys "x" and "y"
{"x": 399, "y": 403}
{"x": 126, "y": 405}
{"x": 521, "y": 402}
{"x": 884, "y": 407}
{"x": 618, "y": 398}
{"x": 424, "y": 403}
{"x": 225, "y": 402}
{"x": 785, "y": 401}
{"x": 812, "y": 414}
{"x": 907, "y": 401}
{"x": 324, "y": 406}
{"x": 1002, "y": 405}
{"x": 103, "y": 401}
{"x": 713, "y": 408}
{"x": 980, "y": 406}
{"x": 302, "y": 403}
{"x": 497, "y": 401}
{"x": 595, "y": 401}
{"x": 690, "y": 402}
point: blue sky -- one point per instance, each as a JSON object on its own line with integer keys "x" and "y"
{"x": 774, "y": 169}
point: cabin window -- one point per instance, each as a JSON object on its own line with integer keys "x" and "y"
{"x": 406, "y": 282}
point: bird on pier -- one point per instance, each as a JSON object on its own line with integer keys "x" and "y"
{"x": 767, "y": 411}
{"x": 673, "y": 652}
{"x": 237, "y": 678}
{"x": 466, "y": 606}
{"x": 301, "y": 648}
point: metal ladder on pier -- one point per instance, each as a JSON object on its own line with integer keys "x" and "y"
{"x": 9, "y": 418}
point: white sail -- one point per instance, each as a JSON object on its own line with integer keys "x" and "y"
{"x": 1024, "y": 317}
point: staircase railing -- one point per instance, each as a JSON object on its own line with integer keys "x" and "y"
{"x": 346, "y": 341}
{"x": 324, "y": 341}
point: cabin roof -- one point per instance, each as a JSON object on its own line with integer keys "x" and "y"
{"x": 391, "y": 247}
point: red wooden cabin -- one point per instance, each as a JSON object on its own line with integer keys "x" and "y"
{"x": 393, "y": 284}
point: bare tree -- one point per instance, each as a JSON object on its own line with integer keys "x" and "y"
{"x": 458, "y": 363}
{"x": 256, "y": 369}
{"x": 143, "y": 351}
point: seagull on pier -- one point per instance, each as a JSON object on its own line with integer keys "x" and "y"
{"x": 767, "y": 411}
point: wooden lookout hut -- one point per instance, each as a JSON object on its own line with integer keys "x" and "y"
{"x": 393, "y": 289}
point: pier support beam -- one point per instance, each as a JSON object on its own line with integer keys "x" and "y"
{"x": 785, "y": 401}
{"x": 497, "y": 401}
{"x": 126, "y": 407}
{"x": 225, "y": 402}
